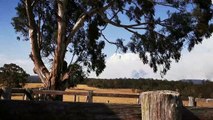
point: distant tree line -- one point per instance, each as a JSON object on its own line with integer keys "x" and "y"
{"x": 204, "y": 90}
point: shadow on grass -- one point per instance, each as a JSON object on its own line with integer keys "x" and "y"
{"x": 197, "y": 113}
{"x": 188, "y": 115}
{"x": 34, "y": 110}
{"x": 43, "y": 110}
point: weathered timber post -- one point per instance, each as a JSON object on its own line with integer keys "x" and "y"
{"x": 192, "y": 102}
{"x": 25, "y": 97}
{"x": 1, "y": 92}
{"x": 7, "y": 92}
{"x": 41, "y": 97}
{"x": 161, "y": 105}
{"x": 90, "y": 96}
{"x": 139, "y": 98}
{"x": 28, "y": 95}
{"x": 74, "y": 98}
{"x": 36, "y": 97}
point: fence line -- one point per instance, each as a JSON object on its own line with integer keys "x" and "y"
{"x": 32, "y": 94}
{"x": 150, "y": 99}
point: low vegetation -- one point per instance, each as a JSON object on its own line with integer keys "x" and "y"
{"x": 203, "y": 90}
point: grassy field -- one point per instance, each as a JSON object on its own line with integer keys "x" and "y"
{"x": 85, "y": 88}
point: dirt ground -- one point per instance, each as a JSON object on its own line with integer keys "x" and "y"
{"x": 85, "y": 88}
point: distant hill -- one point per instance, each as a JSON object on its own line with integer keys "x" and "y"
{"x": 36, "y": 79}
{"x": 194, "y": 81}
{"x": 33, "y": 79}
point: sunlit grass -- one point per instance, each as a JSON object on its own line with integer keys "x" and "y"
{"x": 118, "y": 100}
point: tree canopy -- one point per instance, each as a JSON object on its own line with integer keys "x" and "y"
{"x": 11, "y": 75}
{"x": 57, "y": 28}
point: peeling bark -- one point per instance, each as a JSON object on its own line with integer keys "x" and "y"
{"x": 40, "y": 68}
{"x": 61, "y": 47}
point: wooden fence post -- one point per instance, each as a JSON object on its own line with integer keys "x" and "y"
{"x": 25, "y": 97}
{"x": 90, "y": 96}
{"x": 28, "y": 95}
{"x": 139, "y": 99}
{"x": 1, "y": 92}
{"x": 6, "y": 95}
{"x": 74, "y": 98}
{"x": 192, "y": 102}
{"x": 41, "y": 97}
{"x": 161, "y": 105}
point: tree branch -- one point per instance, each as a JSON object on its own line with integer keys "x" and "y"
{"x": 61, "y": 44}
{"x": 40, "y": 68}
{"x": 82, "y": 19}
{"x": 132, "y": 26}
{"x": 167, "y": 5}
{"x": 72, "y": 58}
{"x": 108, "y": 40}
{"x": 77, "y": 26}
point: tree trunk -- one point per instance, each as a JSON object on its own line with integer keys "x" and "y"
{"x": 56, "y": 78}
{"x": 57, "y": 85}
{"x": 161, "y": 105}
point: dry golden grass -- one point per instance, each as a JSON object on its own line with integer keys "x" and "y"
{"x": 33, "y": 85}
{"x": 85, "y": 88}
{"x": 199, "y": 103}
{"x": 28, "y": 85}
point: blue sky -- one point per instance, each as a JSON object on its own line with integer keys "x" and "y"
{"x": 197, "y": 64}
{"x": 9, "y": 45}
{"x": 11, "y": 50}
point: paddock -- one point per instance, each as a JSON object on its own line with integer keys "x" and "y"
{"x": 35, "y": 109}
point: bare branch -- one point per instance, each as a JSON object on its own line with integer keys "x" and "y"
{"x": 134, "y": 32}
{"x": 71, "y": 61}
{"x": 76, "y": 27}
{"x": 33, "y": 3}
{"x": 108, "y": 40}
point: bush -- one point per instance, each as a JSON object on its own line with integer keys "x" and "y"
{"x": 11, "y": 75}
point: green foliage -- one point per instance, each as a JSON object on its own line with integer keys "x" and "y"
{"x": 77, "y": 76}
{"x": 11, "y": 75}
{"x": 186, "y": 89}
{"x": 156, "y": 38}
{"x": 84, "y": 45}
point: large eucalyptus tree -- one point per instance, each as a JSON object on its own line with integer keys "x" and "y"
{"x": 56, "y": 28}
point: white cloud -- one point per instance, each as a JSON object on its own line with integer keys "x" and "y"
{"x": 197, "y": 64}
{"x": 126, "y": 65}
